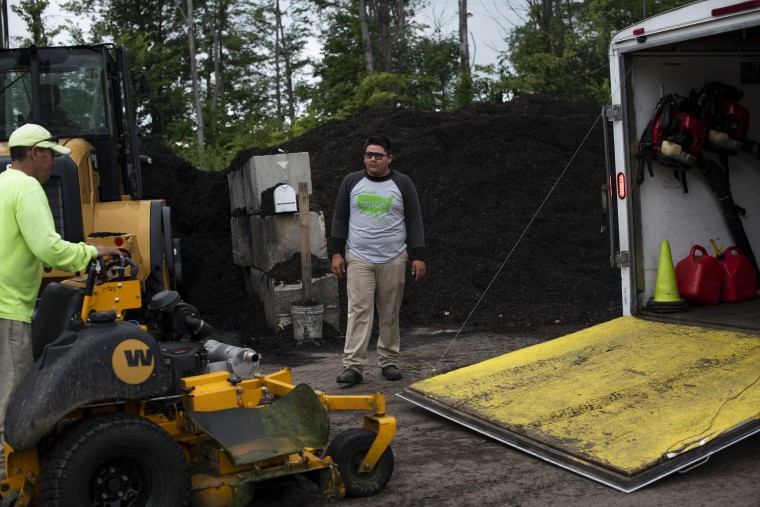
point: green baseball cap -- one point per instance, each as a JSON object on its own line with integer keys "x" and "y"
{"x": 32, "y": 135}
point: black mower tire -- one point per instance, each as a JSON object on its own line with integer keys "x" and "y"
{"x": 115, "y": 459}
{"x": 10, "y": 499}
{"x": 347, "y": 451}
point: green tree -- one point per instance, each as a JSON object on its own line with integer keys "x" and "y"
{"x": 424, "y": 70}
{"x": 235, "y": 61}
{"x": 32, "y": 13}
{"x": 562, "y": 47}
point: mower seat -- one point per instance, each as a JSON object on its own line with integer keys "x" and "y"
{"x": 289, "y": 425}
{"x": 54, "y": 314}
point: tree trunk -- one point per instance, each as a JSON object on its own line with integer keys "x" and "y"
{"x": 546, "y": 15}
{"x": 277, "y": 56}
{"x": 464, "y": 46}
{"x": 401, "y": 15}
{"x": 217, "y": 57}
{"x": 194, "y": 75}
{"x": 464, "y": 87}
{"x": 287, "y": 61}
{"x": 385, "y": 35}
{"x": 369, "y": 66}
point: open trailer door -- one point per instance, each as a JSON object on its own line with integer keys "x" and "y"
{"x": 624, "y": 403}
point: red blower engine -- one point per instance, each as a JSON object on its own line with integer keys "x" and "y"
{"x": 679, "y": 132}
{"x": 674, "y": 136}
{"x": 728, "y": 120}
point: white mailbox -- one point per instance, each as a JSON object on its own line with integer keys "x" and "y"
{"x": 285, "y": 199}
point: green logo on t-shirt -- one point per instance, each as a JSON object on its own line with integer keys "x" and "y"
{"x": 373, "y": 204}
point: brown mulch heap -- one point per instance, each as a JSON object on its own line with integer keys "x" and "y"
{"x": 482, "y": 174}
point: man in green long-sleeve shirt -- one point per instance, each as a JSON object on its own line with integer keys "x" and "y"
{"x": 27, "y": 241}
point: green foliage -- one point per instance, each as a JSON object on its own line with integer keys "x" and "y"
{"x": 259, "y": 85}
{"x": 32, "y": 13}
{"x": 425, "y": 67}
{"x": 463, "y": 93}
{"x": 566, "y": 54}
{"x": 381, "y": 90}
{"x": 437, "y": 58}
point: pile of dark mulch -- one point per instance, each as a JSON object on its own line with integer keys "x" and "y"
{"x": 511, "y": 202}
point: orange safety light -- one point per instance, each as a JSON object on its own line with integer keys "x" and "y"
{"x": 621, "y": 185}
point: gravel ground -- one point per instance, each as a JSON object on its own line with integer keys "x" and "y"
{"x": 443, "y": 464}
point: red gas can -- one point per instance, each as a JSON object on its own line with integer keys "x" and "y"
{"x": 739, "y": 282}
{"x": 699, "y": 278}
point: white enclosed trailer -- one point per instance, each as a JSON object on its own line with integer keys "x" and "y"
{"x": 646, "y": 395}
{"x": 678, "y": 52}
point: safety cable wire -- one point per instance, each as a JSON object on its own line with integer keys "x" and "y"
{"x": 671, "y": 454}
{"x": 525, "y": 230}
{"x": 533, "y": 218}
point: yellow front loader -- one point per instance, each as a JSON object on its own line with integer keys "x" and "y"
{"x": 81, "y": 94}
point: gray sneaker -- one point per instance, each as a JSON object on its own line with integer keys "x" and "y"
{"x": 391, "y": 372}
{"x": 349, "y": 376}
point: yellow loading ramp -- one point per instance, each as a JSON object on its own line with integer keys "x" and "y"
{"x": 624, "y": 403}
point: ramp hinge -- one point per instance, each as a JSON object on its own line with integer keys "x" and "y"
{"x": 613, "y": 113}
{"x": 622, "y": 259}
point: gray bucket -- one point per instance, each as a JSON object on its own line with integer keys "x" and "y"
{"x": 307, "y": 322}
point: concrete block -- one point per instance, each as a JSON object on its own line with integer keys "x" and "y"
{"x": 277, "y": 238}
{"x": 242, "y": 250}
{"x": 247, "y": 281}
{"x": 278, "y": 296}
{"x": 241, "y": 197}
{"x": 267, "y": 171}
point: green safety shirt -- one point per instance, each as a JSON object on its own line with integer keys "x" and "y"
{"x": 27, "y": 241}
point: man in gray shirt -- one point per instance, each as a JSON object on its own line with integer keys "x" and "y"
{"x": 376, "y": 228}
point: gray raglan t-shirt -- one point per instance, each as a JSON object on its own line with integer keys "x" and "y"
{"x": 377, "y": 218}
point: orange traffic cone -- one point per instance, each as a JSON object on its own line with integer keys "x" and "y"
{"x": 666, "y": 297}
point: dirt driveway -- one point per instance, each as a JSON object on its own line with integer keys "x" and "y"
{"x": 440, "y": 463}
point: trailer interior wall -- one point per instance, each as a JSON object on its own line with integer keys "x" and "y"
{"x": 663, "y": 210}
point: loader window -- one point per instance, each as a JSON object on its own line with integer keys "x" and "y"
{"x": 72, "y": 102}
{"x": 15, "y": 100}
{"x": 70, "y": 98}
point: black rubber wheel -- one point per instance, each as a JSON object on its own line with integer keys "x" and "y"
{"x": 347, "y": 450}
{"x": 9, "y": 500}
{"x": 114, "y": 460}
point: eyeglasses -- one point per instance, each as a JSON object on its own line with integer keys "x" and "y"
{"x": 377, "y": 156}
{"x": 52, "y": 139}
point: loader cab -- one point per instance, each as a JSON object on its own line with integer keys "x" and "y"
{"x": 81, "y": 94}
{"x": 78, "y": 92}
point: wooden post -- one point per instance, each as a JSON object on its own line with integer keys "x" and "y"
{"x": 303, "y": 209}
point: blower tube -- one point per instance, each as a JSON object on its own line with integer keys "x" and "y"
{"x": 241, "y": 361}
{"x": 718, "y": 180}
{"x": 185, "y": 320}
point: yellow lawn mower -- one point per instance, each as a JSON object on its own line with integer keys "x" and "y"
{"x": 117, "y": 413}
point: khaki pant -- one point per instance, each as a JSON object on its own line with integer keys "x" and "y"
{"x": 369, "y": 285}
{"x": 15, "y": 362}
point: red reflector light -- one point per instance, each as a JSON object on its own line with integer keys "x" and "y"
{"x": 118, "y": 241}
{"x": 621, "y": 185}
{"x": 638, "y": 31}
{"x": 742, "y": 6}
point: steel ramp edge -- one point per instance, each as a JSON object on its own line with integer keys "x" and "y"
{"x": 681, "y": 463}
{"x": 627, "y": 401}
